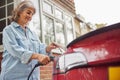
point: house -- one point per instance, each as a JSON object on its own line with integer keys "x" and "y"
{"x": 54, "y": 20}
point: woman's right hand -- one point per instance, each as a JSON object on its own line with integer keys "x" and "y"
{"x": 43, "y": 59}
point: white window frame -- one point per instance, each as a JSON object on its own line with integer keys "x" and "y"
{"x": 6, "y": 17}
{"x": 60, "y": 20}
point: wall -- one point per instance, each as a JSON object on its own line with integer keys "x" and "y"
{"x": 46, "y": 72}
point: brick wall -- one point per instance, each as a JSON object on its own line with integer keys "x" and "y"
{"x": 46, "y": 71}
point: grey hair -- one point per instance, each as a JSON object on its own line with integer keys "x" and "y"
{"x": 21, "y": 7}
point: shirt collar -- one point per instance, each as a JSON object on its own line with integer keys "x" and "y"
{"x": 15, "y": 24}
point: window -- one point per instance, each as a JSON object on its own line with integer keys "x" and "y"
{"x": 2, "y": 10}
{"x": 0, "y": 39}
{"x": 47, "y": 8}
{"x": 2, "y": 25}
{"x": 60, "y": 34}
{"x": 51, "y": 23}
{"x": 68, "y": 22}
{"x": 9, "y": 1}
{"x": 48, "y": 29}
{"x": 6, "y": 7}
{"x": 34, "y": 25}
{"x": 58, "y": 14}
{"x": 9, "y": 8}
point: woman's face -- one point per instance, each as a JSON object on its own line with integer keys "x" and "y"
{"x": 26, "y": 16}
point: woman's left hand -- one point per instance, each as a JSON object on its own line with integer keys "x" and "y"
{"x": 53, "y": 45}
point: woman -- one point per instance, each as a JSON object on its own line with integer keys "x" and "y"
{"x": 22, "y": 48}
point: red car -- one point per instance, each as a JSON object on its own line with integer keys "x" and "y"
{"x": 93, "y": 56}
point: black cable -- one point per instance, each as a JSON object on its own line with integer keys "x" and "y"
{"x": 31, "y": 73}
{"x": 38, "y": 64}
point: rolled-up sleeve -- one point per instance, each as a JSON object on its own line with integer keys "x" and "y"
{"x": 26, "y": 57}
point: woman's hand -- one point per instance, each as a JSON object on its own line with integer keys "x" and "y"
{"x": 53, "y": 45}
{"x": 43, "y": 59}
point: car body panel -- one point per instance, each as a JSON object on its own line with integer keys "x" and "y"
{"x": 101, "y": 49}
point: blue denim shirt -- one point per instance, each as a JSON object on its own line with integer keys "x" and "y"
{"x": 18, "y": 48}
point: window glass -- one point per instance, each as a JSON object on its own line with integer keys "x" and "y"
{"x": 62, "y": 23}
{"x": 9, "y": 9}
{"x": 2, "y": 25}
{"x": 34, "y": 25}
{"x": 9, "y": 1}
{"x": 58, "y": 14}
{"x": 47, "y": 8}
{"x": 8, "y": 21}
{"x": 0, "y": 39}
{"x": 48, "y": 29}
{"x": 60, "y": 36}
{"x": 2, "y": 2}
{"x": 2, "y": 12}
{"x": 5, "y": 11}
{"x": 68, "y": 22}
